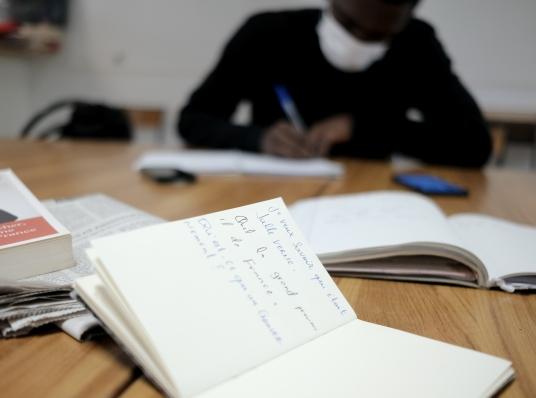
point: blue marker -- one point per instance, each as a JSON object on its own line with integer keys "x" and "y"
{"x": 289, "y": 107}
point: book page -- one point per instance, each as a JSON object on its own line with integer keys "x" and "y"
{"x": 505, "y": 248}
{"x": 222, "y": 293}
{"x": 93, "y": 291}
{"x": 419, "y": 267}
{"x": 371, "y": 220}
{"x": 273, "y": 165}
{"x": 361, "y": 359}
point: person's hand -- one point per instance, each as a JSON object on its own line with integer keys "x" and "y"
{"x": 328, "y": 132}
{"x": 282, "y": 139}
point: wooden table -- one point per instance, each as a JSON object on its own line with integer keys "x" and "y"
{"x": 52, "y": 364}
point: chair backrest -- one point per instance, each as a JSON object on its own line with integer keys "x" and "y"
{"x": 87, "y": 121}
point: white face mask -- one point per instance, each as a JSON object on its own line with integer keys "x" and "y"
{"x": 344, "y": 51}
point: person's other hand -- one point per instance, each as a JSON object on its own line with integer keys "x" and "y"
{"x": 282, "y": 139}
{"x": 328, "y": 132}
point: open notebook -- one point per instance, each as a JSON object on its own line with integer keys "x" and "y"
{"x": 403, "y": 235}
{"x": 235, "y": 304}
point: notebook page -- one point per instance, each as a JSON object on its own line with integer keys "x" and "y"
{"x": 225, "y": 292}
{"x": 505, "y": 248}
{"x": 376, "y": 219}
{"x": 272, "y": 165}
{"x": 361, "y": 359}
{"x": 233, "y": 162}
{"x": 93, "y": 292}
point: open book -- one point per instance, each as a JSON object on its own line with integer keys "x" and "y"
{"x": 402, "y": 235}
{"x": 236, "y": 304}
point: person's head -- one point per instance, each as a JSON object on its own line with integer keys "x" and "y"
{"x": 373, "y": 20}
{"x": 353, "y": 34}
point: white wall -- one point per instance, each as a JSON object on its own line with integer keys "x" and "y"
{"x": 493, "y": 46}
{"x": 152, "y": 53}
{"x": 14, "y": 95}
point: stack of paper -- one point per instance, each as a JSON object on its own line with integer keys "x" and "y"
{"x": 25, "y": 306}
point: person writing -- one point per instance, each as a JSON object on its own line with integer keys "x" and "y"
{"x": 367, "y": 78}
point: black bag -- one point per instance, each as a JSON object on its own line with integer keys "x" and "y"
{"x": 88, "y": 121}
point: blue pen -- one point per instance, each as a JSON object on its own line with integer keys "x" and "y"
{"x": 289, "y": 107}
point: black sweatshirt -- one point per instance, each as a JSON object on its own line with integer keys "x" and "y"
{"x": 283, "y": 48}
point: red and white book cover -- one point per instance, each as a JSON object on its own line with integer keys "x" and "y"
{"x": 23, "y": 219}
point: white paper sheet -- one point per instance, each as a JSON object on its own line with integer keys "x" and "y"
{"x": 236, "y": 162}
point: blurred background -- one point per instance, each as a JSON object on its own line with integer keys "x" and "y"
{"x": 147, "y": 56}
